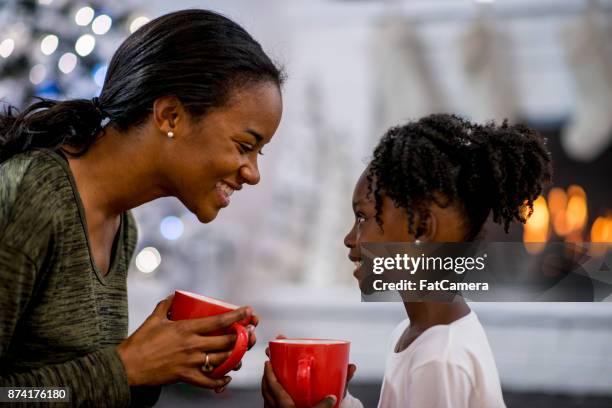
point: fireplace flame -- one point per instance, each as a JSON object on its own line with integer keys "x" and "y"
{"x": 566, "y": 214}
{"x": 536, "y": 231}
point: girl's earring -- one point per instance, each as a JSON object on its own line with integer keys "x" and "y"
{"x": 170, "y": 134}
{"x": 417, "y": 242}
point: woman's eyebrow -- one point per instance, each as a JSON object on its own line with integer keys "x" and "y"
{"x": 256, "y": 135}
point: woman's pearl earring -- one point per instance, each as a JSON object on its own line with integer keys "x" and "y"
{"x": 170, "y": 134}
{"x": 417, "y": 242}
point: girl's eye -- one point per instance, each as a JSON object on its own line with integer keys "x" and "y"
{"x": 360, "y": 219}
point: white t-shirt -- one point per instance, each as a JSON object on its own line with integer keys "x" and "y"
{"x": 447, "y": 366}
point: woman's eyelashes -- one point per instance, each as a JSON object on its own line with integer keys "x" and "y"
{"x": 245, "y": 147}
{"x": 248, "y": 148}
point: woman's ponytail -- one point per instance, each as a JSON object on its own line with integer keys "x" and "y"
{"x": 50, "y": 124}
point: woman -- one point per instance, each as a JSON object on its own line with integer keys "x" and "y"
{"x": 438, "y": 180}
{"x": 188, "y": 102}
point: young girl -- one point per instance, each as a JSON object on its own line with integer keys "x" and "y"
{"x": 438, "y": 180}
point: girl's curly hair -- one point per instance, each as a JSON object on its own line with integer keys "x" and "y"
{"x": 447, "y": 160}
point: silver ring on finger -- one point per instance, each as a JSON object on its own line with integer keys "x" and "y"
{"x": 207, "y": 367}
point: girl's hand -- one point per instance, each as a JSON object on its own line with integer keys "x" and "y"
{"x": 163, "y": 351}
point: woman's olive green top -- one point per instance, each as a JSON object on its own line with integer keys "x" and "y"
{"x": 60, "y": 318}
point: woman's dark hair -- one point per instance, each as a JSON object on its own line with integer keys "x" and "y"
{"x": 196, "y": 55}
{"x": 447, "y": 160}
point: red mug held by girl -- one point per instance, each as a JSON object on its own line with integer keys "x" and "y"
{"x": 310, "y": 369}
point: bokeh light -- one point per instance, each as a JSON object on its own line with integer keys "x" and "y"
{"x": 6, "y": 47}
{"x": 171, "y": 227}
{"x": 99, "y": 73}
{"x": 101, "y": 24}
{"x": 148, "y": 260}
{"x": 84, "y": 16}
{"x": 138, "y": 22}
{"x": 67, "y": 62}
{"x": 85, "y": 45}
{"x": 49, "y": 44}
{"x": 38, "y": 74}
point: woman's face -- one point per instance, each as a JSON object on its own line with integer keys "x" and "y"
{"x": 366, "y": 229}
{"x": 213, "y": 156}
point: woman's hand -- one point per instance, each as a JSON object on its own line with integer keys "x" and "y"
{"x": 275, "y": 396}
{"x": 163, "y": 351}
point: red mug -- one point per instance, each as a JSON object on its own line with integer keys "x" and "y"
{"x": 186, "y": 305}
{"x": 310, "y": 369}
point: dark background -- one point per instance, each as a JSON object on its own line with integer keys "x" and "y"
{"x": 181, "y": 395}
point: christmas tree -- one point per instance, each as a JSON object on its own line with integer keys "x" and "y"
{"x": 59, "y": 48}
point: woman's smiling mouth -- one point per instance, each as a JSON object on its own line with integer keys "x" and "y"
{"x": 224, "y": 191}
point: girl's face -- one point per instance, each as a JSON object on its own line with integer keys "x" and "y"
{"x": 365, "y": 229}
{"x": 213, "y": 156}
{"x": 395, "y": 224}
